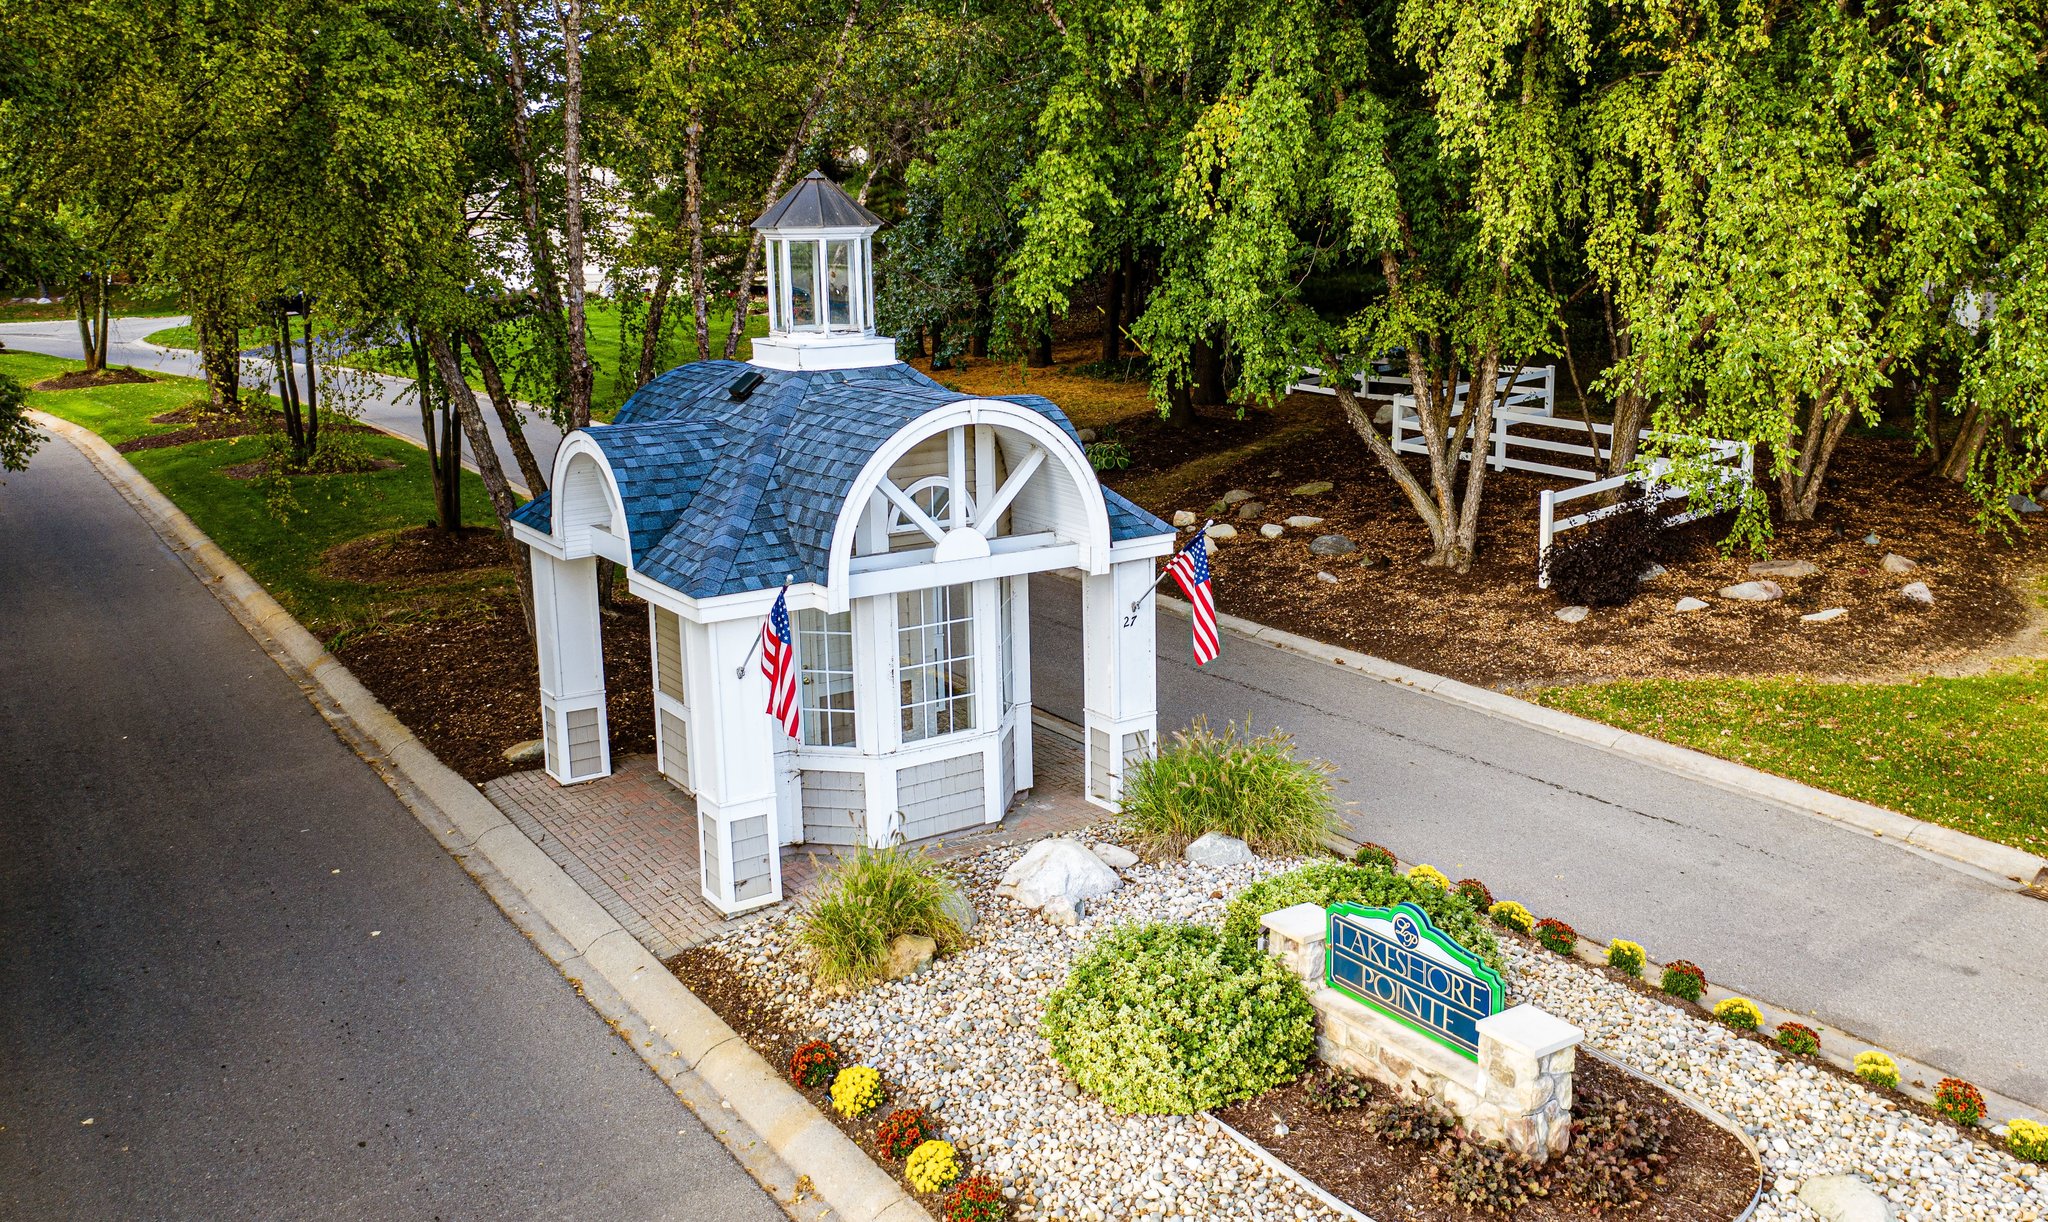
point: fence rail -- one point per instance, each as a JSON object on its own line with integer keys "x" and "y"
{"x": 1532, "y": 388}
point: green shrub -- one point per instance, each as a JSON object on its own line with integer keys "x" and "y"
{"x": 1509, "y": 915}
{"x": 1556, "y": 936}
{"x": 1377, "y": 856}
{"x": 1798, "y": 1039}
{"x": 869, "y": 900}
{"x": 1476, "y": 893}
{"x": 1682, "y": 979}
{"x": 2027, "y": 1139}
{"x": 1959, "y": 1101}
{"x": 1172, "y": 1019}
{"x": 1626, "y": 957}
{"x": 1250, "y": 788}
{"x": 1739, "y": 1012}
{"x": 1334, "y": 882}
{"x": 1877, "y": 1069}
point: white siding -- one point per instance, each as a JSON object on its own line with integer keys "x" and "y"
{"x": 674, "y": 749}
{"x": 583, "y": 499}
{"x": 1008, "y": 769}
{"x": 707, "y": 855}
{"x": 1098, "y": 764}
{"x": 942, "y": 796}
{"x": 835, "y": 807}
{"x": 752, "y": 873}
{"x": 586, "y": 751}
{"x": 668, "y": 655}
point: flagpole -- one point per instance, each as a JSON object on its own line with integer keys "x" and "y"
{"x": 740, "y": 671}
{"x": 1168, "y": 570}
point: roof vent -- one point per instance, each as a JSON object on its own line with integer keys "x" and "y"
{"x": 744, "y": 385}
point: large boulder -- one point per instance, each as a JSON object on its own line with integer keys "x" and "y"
{"x": 909, "y": 954}
{"x": 1115, "y": 856}
{"x": 1056, "y": 877}
{"x": 957, "y": 906}
{"x": 1217, "y": 849}
{"x": 1844, "y": 1198}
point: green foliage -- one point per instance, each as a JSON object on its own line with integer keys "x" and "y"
{"x": 1682, "y": 979}
{"x": 1739, "y": 1013}
{"x": 1959, "y": 1101}
{"x": 19, "y": 437}
{"x": 1556, "y": 936}
{"x": 1108, "y": 453}
{"x": 1335, "y": 882}
{"x": 1487, "y": 1178}
{"x": 1416, "y": 1121}
{"x": 1172, "y": 1019}
{"x": 866, "y": 902}
{"x": 1252, "y": 788}
{"x": 1877, "y": 1069}
{"x": 1798, "y": 1039}
{"x": 1475, "y": 893}
{"x": 1617, "y": 1152}
{"x": 1626, "y": 957}
{"x": 1378, "y": 856}
{"x": 902, "y": 1132}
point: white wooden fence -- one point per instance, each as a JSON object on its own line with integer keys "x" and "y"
{"x": 1532, "y": 389}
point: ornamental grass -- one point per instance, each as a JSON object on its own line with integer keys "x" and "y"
{"x": 1253, "y": 788}
{"x": 869, "y": 900}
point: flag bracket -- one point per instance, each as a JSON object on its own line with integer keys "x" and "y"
{"x": 740, "y": 671}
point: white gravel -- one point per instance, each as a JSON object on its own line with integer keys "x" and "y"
{"x": 962, "y": 1041}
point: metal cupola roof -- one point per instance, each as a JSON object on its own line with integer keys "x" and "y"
{"x": 816, "y": 202}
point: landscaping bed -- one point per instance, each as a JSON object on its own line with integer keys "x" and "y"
{"x": 962, "y": 1040}
{"x": 79, "y": 379}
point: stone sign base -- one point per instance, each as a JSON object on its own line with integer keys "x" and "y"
{"x": 1518, "y": 1094}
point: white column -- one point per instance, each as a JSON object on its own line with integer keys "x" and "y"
{"x": 566, "y": 636}
{"x": 733, "y": 766}
{"x": 1121, "y": 703}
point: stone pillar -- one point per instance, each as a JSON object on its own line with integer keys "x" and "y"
{"x": 1296, "y": 936}
{"x": 1120, "y": 715}
{"x": 1526, "y": 1059}
{"x": 571, "y": 656}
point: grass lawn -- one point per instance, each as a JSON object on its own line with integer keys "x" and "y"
{"x": 125, "y": 303}
{"x": 283, "y": 554}
{"x": 1968, "y": 753}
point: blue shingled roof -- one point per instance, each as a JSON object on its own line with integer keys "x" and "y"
{"x": 726, "y": 496}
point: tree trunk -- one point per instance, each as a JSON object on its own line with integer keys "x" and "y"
{"x": 693, "y": 216}
{"x": 480, "y": 448}
{"x": 650, "y": 334}
{"x": 1113, "y": 315}
{"x": 287, "y": 387}
{"x": 1180, "y": 407}
{"x": 312, "y": 391}
{"x": 1962, "y": 452}
{"x": 220, "y": 355}
{"x": 1799, "y": 487}
{"x": 87, "y": 309}
{"x": 580, "y": 373}
{"x": 752, "y": 263}
{"x": 1383, "y": 450}
{"x": 508, "y": 414}
{"x": 1041, "y": 343}
{"x": 106, "y": 302}
{"x": 1207, "y": 359}
{"x": 423, "y": 388}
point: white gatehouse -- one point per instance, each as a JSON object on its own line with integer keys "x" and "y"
{"x": 903, "y": 518}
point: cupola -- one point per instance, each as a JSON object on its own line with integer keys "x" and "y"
{"x": 821, "y": 281}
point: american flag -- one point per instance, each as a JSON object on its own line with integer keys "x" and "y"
{"x": 778, "y": 665}
{"x": 1190, "y": 569}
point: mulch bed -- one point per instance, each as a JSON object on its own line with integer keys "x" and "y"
{"x": 1711, "y": 1176}
{"x": 416, "y": 554}
{"x": 260, "y": 467}
{"x": 752, "y": 1012}
{"x": 204, "y": 424}
{"x": 79, "y": 379}
{"x": 469, "y": 687}
{"x": 1493, "y": 626}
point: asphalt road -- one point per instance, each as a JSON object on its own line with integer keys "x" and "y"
{"x": 237, "y": 979}
{"x": 1875, "y": 939}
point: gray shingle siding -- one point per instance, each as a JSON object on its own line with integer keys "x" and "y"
{"x": 724, "y": 497}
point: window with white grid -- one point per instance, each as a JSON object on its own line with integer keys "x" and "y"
{"x": 1008, "y": 623}
{"x": 824, "y": 651}
{"x": 935, "y": 660}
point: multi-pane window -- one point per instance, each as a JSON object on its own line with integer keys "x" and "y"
{"x": 824, "y": 650}
{"x": 935, "y": 660}
{"x": 1008, "y": 623}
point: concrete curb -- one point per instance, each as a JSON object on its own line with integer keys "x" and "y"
{"x": 2001, "y": 864}
{"x": 772, "y": 1130}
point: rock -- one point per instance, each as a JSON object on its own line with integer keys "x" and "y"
{"x": 1783, "y": 568}
{"x": 1115, "y": 856}
{"x": 1331, "y": 545}
{"x": 1302, "y": 522}
{"x": 1271, "y": 531}
{"x": 1917, "y": 593}
{"x": 1844, "y": 1198}
{"x": 1236, "y": 496}
{"x": 1652, "y": 573}
{"x": 1217, "y": 849}
{"x": 961, "y": 909}
{"x": 1326, "y": 576}
{"x": 1572, "y": 615}
{"x": 1062, "y": 910}
{"x": 1689, "y": 603}
{"x": 1250, "y": 510}
{"x": 1754, "y": 592}
{"x": 1184, "y": 518}
{"x": 1223, "y": 530}
{"x": 1822, "y": 617}
{"x": 2023, "y": 504}
{"x": 1384, "y": 416}
{"x": 909, "y": 954}
{"x": 1315, "y": 487}
{"x": 532, "y": 751}
{"x": 1895, "y": 563}
{"x": 1086, "y": 435}
{"x": 1056, "y": 876}
{"x": 1871, "y": 541}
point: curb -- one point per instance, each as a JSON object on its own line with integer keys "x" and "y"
{"x": 770, "y": 1129}
{"x": 2003, "y": 865}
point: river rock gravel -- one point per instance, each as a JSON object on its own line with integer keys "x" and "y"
{"x": 961, "y": 1040}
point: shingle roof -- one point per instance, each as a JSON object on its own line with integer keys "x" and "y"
{"x": 724, "y": 496}
{"x": 816, "y": 202}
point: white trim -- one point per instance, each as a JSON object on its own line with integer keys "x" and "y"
{"x": 912, "y": 512}
{"x": 1019, "y": 476}
{"x": 1093, "y": 541}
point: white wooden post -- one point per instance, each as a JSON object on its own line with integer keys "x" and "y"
{"x": 733, "y": 764}
{"x": 1120, "y": 717}
{"x": 571, "y": 655}
{"x": 1020, "y": 616}
{"x": 1546, "y": 518}
{"x": 1501, "y": 424}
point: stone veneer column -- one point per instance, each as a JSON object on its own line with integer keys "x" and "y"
{"x": 1526, "y": 1058}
